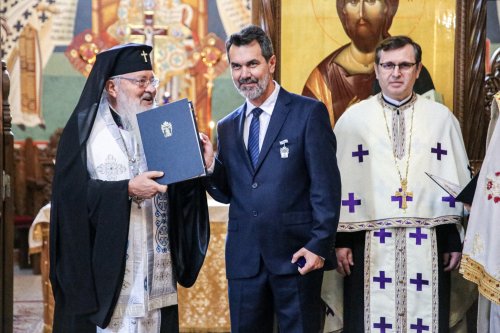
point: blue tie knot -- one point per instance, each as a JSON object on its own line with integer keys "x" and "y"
{"x": 257, "y": 112}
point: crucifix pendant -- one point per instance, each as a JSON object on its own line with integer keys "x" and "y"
{"x": 404, "y": 194}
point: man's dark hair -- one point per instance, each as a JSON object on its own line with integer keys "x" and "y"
{"x": 397, "y": 42}
{"x": 246, "y": 36}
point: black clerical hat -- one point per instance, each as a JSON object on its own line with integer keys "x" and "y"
{"x": 121, "y": 59}
{"x": 126, "y": 58}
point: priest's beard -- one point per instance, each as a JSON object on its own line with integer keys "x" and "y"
{"x": 128, "y": 107}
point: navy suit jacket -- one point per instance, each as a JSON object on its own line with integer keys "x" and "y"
{"x": 285, "y": 203}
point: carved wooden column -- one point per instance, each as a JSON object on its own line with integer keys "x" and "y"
{"x": 7, "y": 207}
{"x": 470, "y": 55}
{"x": 492, "y": 81}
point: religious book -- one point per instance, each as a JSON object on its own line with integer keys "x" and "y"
{"x": 171, "y": 142}
{"x": 460, "y": 193}
{"x": 450, "y": 188}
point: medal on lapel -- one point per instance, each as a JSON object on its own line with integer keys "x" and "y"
{"x": 284, "y": 149}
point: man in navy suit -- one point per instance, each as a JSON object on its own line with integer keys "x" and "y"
{"x": 276, "y": 167}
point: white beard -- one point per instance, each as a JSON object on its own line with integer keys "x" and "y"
{"x": 128, "y": 108}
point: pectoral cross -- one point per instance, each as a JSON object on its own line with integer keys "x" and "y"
{"x": 403, "y": 195}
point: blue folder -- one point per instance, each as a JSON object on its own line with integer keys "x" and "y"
{"x": 171, "y": 142}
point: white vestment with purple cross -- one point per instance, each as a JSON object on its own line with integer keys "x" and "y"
{"x": 401, "y": 262}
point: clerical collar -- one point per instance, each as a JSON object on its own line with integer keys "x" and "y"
{"x": 395, "y": 103}
{"x": 116, "y": 117}
{"x": 269, "y": 103}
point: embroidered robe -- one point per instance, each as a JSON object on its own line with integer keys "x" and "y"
{"x": 399, "y": 285}
{"x": 148, "y": 283}
{"x": 480, "y": 261}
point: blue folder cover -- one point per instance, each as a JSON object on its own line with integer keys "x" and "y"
{"x": 171, "y": 142}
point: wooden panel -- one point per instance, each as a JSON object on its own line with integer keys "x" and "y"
{"x": 34, "y": 169}
{"x": 469, "y": 94}
{"x": 6, "y": 206}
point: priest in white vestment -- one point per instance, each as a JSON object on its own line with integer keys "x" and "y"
{"x": 398, "y": 235}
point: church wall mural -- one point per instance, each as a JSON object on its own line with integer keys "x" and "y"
{"x": 50, "y": 46}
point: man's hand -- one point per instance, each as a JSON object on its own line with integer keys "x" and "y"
{"x": 451, "y": 260}
{"x": 344, "y": 260}
{"x": 313, "y": 261}
{"x": 144, "y": 187}
{"x": 208, "y": 150}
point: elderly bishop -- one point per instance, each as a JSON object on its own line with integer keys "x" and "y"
{"x": 120, "y": 242}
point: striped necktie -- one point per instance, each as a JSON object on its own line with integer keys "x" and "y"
{"x": 253, "y": 137}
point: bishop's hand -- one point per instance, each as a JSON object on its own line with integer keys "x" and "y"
{"x": 144, "y": 186}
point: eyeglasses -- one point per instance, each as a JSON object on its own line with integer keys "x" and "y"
{"x": 403, "y": 67}
{"x": 141, "y": 83}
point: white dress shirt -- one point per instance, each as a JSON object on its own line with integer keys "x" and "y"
{"x": 265, "y": 117}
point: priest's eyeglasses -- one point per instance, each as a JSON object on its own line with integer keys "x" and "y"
{"x": 141, "y": 83}
{"x": 403, "y": 66}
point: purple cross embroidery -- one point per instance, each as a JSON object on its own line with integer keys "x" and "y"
{"x": 418, "y": 235}
{"x": 382, "y": 234}
{"x": 419, "y": 282}
{"x": 405, "y": 196}
{"x": 351, "y": 202}
{"x": 450, "y": 199}
{"x": 382, "y": 279}
{"x": 438, "y": 151}
{"x": 18, "y": 26}
{"x": 360, "y": 153}
{"x": 419, "y": 326}
{"x": 43, "y": 17}
{"x": 382, "y": 325}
